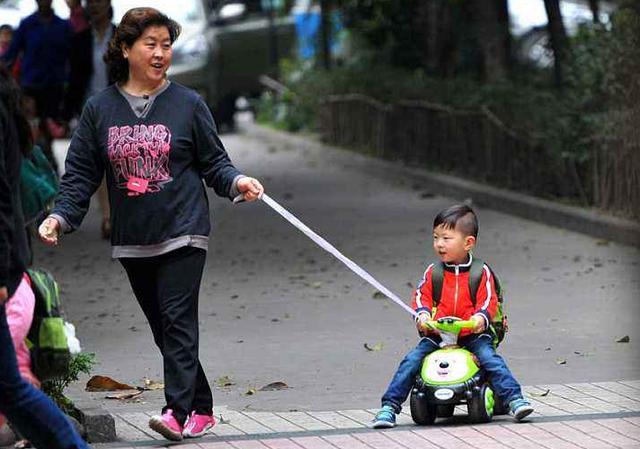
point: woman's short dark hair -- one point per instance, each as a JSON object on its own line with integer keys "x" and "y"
{"x": 460, "y": 217}
{"x": 131, "y": 27}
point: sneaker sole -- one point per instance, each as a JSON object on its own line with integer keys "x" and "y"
{"x": 382, "y": 425}
{"x": 522, "y": 414}
{"x": 156, "y": 424}
{"x": 187, "y": 434}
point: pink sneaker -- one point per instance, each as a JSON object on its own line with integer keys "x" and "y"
{"x": 198, "y": 425}
{"x": 167, "y": 426}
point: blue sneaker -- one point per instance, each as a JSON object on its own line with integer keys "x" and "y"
{"x": 520, "y": 409}
{"x": 385, "y": 418}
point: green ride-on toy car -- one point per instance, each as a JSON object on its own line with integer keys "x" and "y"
{"x": 451, "y": 376}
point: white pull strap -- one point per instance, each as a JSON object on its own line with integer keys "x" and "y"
{"x": 331, "y": 249}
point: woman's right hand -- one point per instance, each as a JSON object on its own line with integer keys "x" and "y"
{"x": 49, "y": 231}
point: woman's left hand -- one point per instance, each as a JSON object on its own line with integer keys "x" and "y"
{"x": 250, "y": 188}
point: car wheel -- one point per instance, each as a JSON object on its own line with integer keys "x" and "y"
{"x": 480, "y": 405}
{"x": 422, "y": 412}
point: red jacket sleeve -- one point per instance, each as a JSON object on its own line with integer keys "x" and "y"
{"x": 422, "y": 298}
{"x": 486, "y": 297}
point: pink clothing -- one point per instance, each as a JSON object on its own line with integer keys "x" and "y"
{"x": 19, "y": 310}
{"x": 78, "y": 19}
{"x": 19, "y": 317}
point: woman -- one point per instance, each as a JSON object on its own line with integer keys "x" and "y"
{"x": 28, "y": 409}
{"x": 157, "y": 141}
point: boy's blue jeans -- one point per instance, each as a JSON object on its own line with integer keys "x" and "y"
{"x": 30, "y": 410}
{"x": 504, "y": 384}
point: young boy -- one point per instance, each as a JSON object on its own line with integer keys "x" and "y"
{"x": 454, "y": 235}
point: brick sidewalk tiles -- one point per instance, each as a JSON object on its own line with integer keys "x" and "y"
{"x": 568, "y": 416}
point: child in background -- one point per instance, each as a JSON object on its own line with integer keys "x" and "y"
{"x": 20, "y": 309}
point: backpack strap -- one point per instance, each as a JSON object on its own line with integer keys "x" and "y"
{"x": 475, "y": 277}
{"x": 437, "y": 279}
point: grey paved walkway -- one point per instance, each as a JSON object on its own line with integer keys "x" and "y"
{"x": 581, "y": 415}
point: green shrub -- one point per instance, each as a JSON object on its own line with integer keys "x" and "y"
{"x": 81, "y": 363}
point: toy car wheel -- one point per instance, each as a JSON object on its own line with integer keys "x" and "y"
{"x": 499, "y": 408}
{"x": 481, "y": 405}
{"x": 446, "y": 411}
{"x": 422, "y": 412}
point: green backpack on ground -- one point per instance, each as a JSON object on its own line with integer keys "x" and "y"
{"x": 47, "y": 339}
{"x": 499, "y": 325}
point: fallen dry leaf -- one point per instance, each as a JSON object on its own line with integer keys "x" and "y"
{"x": 223, "y": 420}
{"x": 126, "y": 394}
{"x": 376, "y": 347}
{"x": 104, "y": 383}
{"x": 250, "y": 392}
{"x": 224, "y": 381}
{"x": 152, "y": 384}
{"x": 273, "y": 386}
{"x": 539, "y": 395}
{"x": 624, "y": 339}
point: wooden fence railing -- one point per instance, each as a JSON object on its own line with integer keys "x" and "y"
{"x": 478, "y": 145}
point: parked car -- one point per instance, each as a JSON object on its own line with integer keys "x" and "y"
{"x": 529, "y": 26}
{"x": 224, "y": 47}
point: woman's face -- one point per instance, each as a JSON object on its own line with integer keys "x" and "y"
{"x": 150, "y": 56}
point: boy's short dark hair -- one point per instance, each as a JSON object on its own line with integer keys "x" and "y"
{"x": 460, "y": 217}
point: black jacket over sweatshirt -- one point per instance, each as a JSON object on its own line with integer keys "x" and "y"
{"x": 14, "y": 250}
{"x": 155, "y": 165}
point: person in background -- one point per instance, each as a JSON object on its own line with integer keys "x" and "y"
{"x": 6, "y": 33}
{"x": 77, "y": 16}
{"x": 43, "y": 40}
{"x": 6, "y": 36}
{"x": 33, "y": 414}
{"x": 89, "y": 74}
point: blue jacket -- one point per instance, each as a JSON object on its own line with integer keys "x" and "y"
{"x": 44, "y": 46}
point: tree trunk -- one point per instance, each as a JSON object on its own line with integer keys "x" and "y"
{"x": 558, "y": 38}
{"x": 492, "y": 36}
{"x": 595, "y": 10}
{"x": 325, "y": 33}
{"x": 432, "y": 23}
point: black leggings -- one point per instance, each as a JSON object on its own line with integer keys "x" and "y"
{"x": 167, "y": 289}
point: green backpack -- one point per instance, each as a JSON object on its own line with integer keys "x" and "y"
{"x": 499, "y": 325}
{"x": 38, "y": 185}
{"x": 47, "y": 339}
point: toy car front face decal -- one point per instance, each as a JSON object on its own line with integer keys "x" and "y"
{"x": 447, "y": 366}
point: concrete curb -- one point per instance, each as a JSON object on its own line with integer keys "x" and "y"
{"x": 98, "y": 425}
{"x": 586, "y": 221}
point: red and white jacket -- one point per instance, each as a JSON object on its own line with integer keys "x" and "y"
{"x": 455, "y": 299}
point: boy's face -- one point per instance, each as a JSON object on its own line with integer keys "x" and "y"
{"x": 451, "y": 245}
